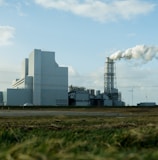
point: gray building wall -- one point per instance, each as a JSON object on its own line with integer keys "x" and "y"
{"x": 1, "y": 98}
{"x": 17, "y": 97}
{"x": 35, "y": 71}
{"x": 42, "y": 75}
{"x": 81, "y": 98}
{"x": 24, "y": 71}
{"x": 50, "y": 82}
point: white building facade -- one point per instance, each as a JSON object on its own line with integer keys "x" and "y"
{"x": 42, "y": 82}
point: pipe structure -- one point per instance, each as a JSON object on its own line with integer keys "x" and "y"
{"x": 109, "y": 75}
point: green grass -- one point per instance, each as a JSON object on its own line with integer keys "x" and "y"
{"x": 79, "y": 138}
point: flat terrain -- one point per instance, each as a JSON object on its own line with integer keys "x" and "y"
{"x": 110, "y": 112}
{"x": 92, "y": 134}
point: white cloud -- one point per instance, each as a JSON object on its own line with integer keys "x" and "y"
{"x": 16, "y": 4}
{"x": 6, "y": 35}
{"x": 101, "y": 10}
{"x": 21, "y": 7}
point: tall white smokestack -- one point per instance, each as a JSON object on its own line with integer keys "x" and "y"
{"x": 143, "y": 52}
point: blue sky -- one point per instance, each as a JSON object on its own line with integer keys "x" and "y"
{"x": 82, "y": 33}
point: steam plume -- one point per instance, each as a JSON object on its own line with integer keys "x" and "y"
{"x": 143, "y": 52}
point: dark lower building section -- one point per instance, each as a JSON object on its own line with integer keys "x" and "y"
{"x": 79, "y": 96}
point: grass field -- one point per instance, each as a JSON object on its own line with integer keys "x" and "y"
{"x": 81, "y": 138}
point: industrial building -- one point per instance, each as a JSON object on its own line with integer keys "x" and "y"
{"x": 42, "y": 82}
{"x": 147, "y": 104}
{"x": 79, "y": 96}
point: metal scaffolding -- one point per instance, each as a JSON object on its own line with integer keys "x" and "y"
{"x": 109, "y": 76}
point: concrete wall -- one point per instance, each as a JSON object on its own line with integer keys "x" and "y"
{"x": 82, "y": 103}
{"x": 108, "y": 102}
{"x": 28, "y": 82}
{"x": 81, "y": 98}
{"x": 24, "y": 67}
{"x": 1, "y": 98}
{"x": 50, "y": 82}
{"x": 17, "y": 97}
{"x": 54, "y": 97}
{"x": 35, "y": 67}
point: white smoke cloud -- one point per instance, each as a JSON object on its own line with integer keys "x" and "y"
{"x": 101, "y": 10}
{"x": 6, "y": 35}
{"x": 142, "y": 52}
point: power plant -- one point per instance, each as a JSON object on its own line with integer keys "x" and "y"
{"x": 43, "y": 82}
